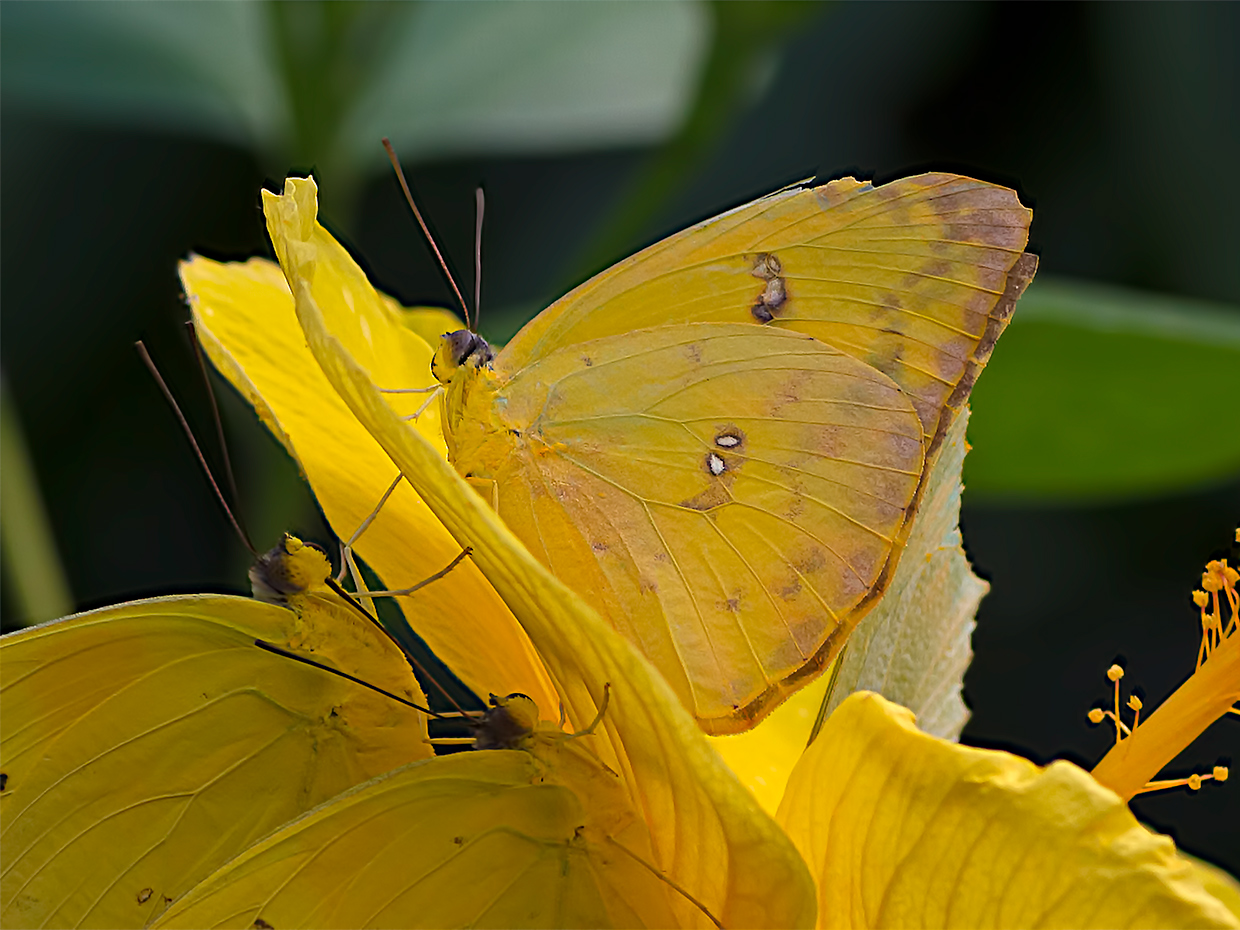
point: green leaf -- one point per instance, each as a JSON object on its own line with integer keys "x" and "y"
{"x": 1099, "y": 393}
{"x": 195, "y": 67}
{"x": 531, "y": 77}
{"x": 321, "y": 83}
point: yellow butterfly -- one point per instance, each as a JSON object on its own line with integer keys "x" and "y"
{"x": 533, "y": 832}
{"x": 147, "y": 744}
{"x": 721, "y": 440}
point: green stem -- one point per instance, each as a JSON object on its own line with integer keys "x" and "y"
{"x": 745, "y": 32}
{"x": 31, "y": 565}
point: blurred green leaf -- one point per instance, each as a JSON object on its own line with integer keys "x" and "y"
{"x": 32, "y": 567}
{"x": 317, "y": 84}
{"x": 533, "y": 77}
{"x": 743, "y": 57}
{"x": 196, "y": 67}
{"x": 1098, "y": 393}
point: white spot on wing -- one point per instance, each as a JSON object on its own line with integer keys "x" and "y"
{"x": 716, "y": 464}
{"x": 727, "y": 441}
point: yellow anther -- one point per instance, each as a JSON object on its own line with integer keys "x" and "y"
{"x": 1194, "y": 782}
{"x": 1134, "y": 702}
{"x": 1201, "y": 599}
{"x": 1220, "y": 773}
{"x": 1115, "y": 673}
{"x": 1096, "y": 715}
{"x": 1212, "y": 582}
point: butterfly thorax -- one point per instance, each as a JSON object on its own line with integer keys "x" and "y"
{"x": 474, "y": 431}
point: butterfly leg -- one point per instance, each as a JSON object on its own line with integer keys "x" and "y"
{"x": 482, "y": 485}
{"x": 347, "y": 562}
{"x": 426, "y": 403}
{"x": 401, "y": 592}
{"x": 598, "y": 718}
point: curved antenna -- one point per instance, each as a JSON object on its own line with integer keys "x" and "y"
{"x": 480, "y": 203}
{"x": 163, "y": 386}
{"x": 404, "y": 185}
{"x": 215, "y": 415}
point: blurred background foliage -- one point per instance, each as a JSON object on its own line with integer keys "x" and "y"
{"x": 1106, "y": 466}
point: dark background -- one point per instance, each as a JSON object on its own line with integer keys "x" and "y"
{"x": 1119, "y": 124}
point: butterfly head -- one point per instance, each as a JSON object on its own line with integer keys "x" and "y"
{"x": 291, "y": 567}
{"x": 458, "y": 349}
{"x": 507, "y": 723}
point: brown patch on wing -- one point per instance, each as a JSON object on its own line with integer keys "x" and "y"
{"x": 1017, "y": 280}
{"x": 715, "y": 495}
{"x": 768, "y": 268}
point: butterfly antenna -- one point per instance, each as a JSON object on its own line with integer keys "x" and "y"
{"x": 417, "y": 666}
{"x": 659, "y": 874}
{"x": 163, "y": 386}
{"x": 277, "y": 650}
{"x": 404, "y": 185}
{"x": 215, "y": 414}
{"x": 480, "y": 203}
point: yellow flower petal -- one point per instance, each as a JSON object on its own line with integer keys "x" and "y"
{"x": 905, "y": 830}
{"x": 245, "y": 320}
{"x": 1217, "y": 882}
{"x": 707, "y": 832}
{"x": 764, "y": 757}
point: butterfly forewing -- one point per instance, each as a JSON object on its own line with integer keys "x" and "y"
{"x": 732, "y": 493}
{"x": 909, "y": 277}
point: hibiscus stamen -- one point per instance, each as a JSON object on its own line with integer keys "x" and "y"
{"x": 1210, "y": 692}
{"x": 1192, "y": 781}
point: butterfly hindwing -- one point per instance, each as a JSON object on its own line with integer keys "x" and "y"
{"x": 156, "y": 741}
{"x": 482, "y": 839}
{"x": 733, "y": 493}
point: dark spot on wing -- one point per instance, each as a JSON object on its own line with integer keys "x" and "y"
{"x": 4, "y": 781}
{"x": 587, "y": 361}
{"x": 459, "y": 840}
{"x": 732, "y": 605}
{"x": 260, "y": 924}
{"x": 145, "y": 895}
{"x": 767, "y": 267}
{"x": 599, "y": 546}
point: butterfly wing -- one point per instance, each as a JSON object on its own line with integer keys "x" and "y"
{"x": 478, "y": 839}
{"x": 147, "y": 743}
{"x": 732, "y": 494}
{"x": 916, "y": 278}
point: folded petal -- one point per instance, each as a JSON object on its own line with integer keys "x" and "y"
{"x": 245, "y": 320}
{"x": 707, "y": 831}
{"x": 902, "y": 829}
